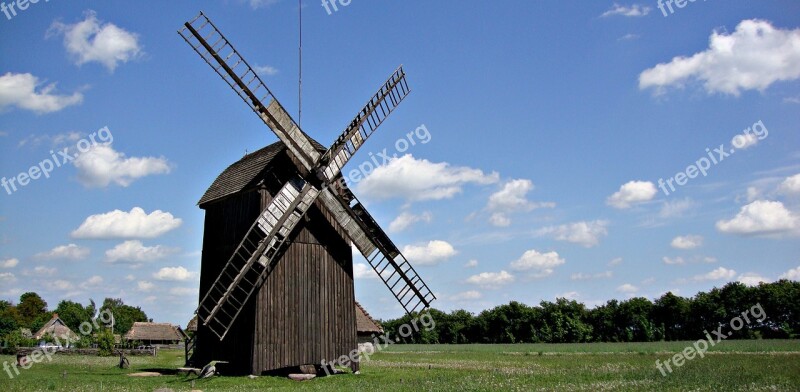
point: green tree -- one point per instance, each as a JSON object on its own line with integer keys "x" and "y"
{"x": 671, "y": 313}
{"x": 105, "y": 342}
{"x": 9, "y": 318}
{"x": 31, "y": 307}
{"x": 73, "y": 313}
{"x": 124, "y": 315}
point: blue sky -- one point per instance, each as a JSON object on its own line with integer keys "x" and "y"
{"x": 549, "y": 125}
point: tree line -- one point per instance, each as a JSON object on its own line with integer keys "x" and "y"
{"x": 32, "y": 313}
{"x": 669, "y": 318}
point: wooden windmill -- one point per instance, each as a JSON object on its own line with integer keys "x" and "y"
{"x": 284, "y": 223}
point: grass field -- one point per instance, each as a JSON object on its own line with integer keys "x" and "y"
{"x": 731, "y": 366}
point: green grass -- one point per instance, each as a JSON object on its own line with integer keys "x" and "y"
{"x": 732, "y": 366}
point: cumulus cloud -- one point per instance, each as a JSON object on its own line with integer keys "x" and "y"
{"x": 759, "y": 218}
{"x": 133, "y": 251}
{"x": 102, "y": 165}
{"x": 615, "y": 262}
{"x": 363, "y": 271}
{"x": 792, "y": 274}
{"x": 419, "y": 179}
{"x": 7, "y": 277}
{"x": 673, "y": 261}
{"x": 175, "y": 274}
{"x": 744, "y": 141}
{"x": 676, "y": 208}
{"x": 542, "y": 263}
{"x": 91, "y": 40}
{"x": 720, "y": 273}
{"x": 752, "y": 279}
{"x": 632, "y": 193}
{"x": 634, "y": 10}
{"x": 144, "y": 286}
{"x": 512, "y": 198}
{"x": 753, "y": 57}
{"x": 471, "y": 264}
{"x": 120, "y": 224}
{"x": 586, "y": 233}
{"x": 265, "y": 70}
{"x": 65, "y": 252}
{"x": 599, "y": 275}
{"x": 26, "y": 92}
{"x": 470, "y": 295}
{"x": 687, "y": 242}
{"x": 627, "y": 288}
{"x": 9, "y": 263}
{"x": 791, "y": 185}
{"x": 63, "y": 285}
{"x": 406, "y": 219}
{"x": 431, "y": 253}
{"x": 491, "y": 280}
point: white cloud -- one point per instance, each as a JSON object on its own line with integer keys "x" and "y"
{"x": 599, "y": 275}
{"x": 102, "y": 165}
{"x": 673, "y": 261}
{"x": 569, "y": 295}
{"x": 471, "y": 264}
{"x": 419, "y": 179}
{"x": 130, "y": 278}
{"x": 634, "y": 192}
{"x": 93, "y": 281}
{"x": 431, "y": 253}
{"x": 174, "y": 274}
{"x": 133, "y": 251}
{"x": 41, "y": 271}
{"x": 7, "y": 277}
{"x": 792, "y": 274}
{"x": 752, "y": 279}
{"x": 406, "y": 219}
{"x": 470, "y": 295}
{"x": 500, "y": 219}
{"x": 791, "y": 185}
{"x": 635, "y": 10}
{"x": 676, "y": 208}
{"x": 491, "y": 280}
{"x": 9, "y": 263}
{"x": 183, "y": 291}
{"x": 687, "y": 242}
{"x": 53, "y": 141}
{"x": 760, "y": 217}
{"x": 144, "y": 286}
{"x": 615, "y": 262}
{"x": 363, "y": 271}
{"x": 20, "y": 90}
{"x": 753, "y": 57}
{"x": 627, "y": 288}
{"x": 90, "y": 40}
{"x": 266, "y": 70}
{"x": 720, "y": 273}
{"x": 587, "y": 233}
{"x": 121, "y": 224}
{"x": 512, "y": 198}
{"x": 65, "y": 252}
{"x": 533, "y": 260}
{"x": 256, "y": 4}
{"x": 62, "y": 285}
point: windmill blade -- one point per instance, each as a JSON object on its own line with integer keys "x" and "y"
{"x": 253, "y": 259}
{"x": 381, "y": 253}
{"x": 364, "y": 125}
{"x": 240, "y": 76}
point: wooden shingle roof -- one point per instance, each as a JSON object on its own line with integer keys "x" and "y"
{"x": 241, "y": 175}
{"x": 153, "y": 331}
{"x": 365, "y": 323}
